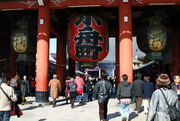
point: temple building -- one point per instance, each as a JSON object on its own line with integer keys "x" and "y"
{"x": 82, "y": 28}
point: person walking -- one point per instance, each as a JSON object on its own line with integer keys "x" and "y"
{"x": 124, "y": 94}
{"x": 24, "y": 87}
{"x": 72, "y": 87}
{"x": 102, "y": 92}
{"x": 32, "y": 84}
{"x": 67, "y": 92}
{"x": 80, "y": 82}
{"x": 148, "y": 89}
{"x": 55, "y": 86}
{"x": 4, "y": 101}
{"x": 158, "y": 109}
{"x": 90, "y": 88}
{"x": 176, "y": 85}
{"x": 137, "y": 92}
{"x": 13, "y": 82}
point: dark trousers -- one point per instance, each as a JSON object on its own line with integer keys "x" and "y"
{"x": 90, "y": 95}
{"x": 138, "y": 103}
{"x": 4, "y": 115}
{"x": 54, "y": 102}
{"x": 103, "y": 110}
{"x": 72, "y": 99}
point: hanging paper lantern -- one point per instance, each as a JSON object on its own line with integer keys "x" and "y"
{"x": 20, "y": 40}
{"x": 88, "y": 38}
{"x": 153, "y": 39}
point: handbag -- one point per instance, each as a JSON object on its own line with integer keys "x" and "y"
{"x": 172, "y": 110}
{"x": 14, "y": 108}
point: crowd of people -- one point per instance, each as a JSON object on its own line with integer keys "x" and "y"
{"x": 142, "y": 92}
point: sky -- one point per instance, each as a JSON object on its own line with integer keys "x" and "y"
{"x": 53, "y": 47}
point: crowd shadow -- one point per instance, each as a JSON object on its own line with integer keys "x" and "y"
{"x": 31, "y": 107}
{"x": 113, "y": 115}
{"x": 42, "y": 119}
{"x": 133, "y": 115}
{"x": 62, "y": 104}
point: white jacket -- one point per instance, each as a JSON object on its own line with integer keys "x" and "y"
{"x": 4, "y": 101}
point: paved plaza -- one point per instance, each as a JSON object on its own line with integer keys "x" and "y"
{"x": 88, "y": 112}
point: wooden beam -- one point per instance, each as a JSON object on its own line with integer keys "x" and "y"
{"x": 18, "y": 5}
{"x": 57, "y": 4}
{"x": 155, "y": 2}
{"x": 60, "y": 4}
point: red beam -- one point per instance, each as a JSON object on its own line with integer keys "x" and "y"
{"x": 33, "y": 5}
{"x": 18, "y": 5}
{"x": 154, "y": 2}
{"x": 84, "y": 3}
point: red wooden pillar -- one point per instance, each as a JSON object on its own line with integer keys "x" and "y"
{"x": 42, "y": 55}
{"x": 61, "y": 60}
{"x": 117, "y": 61}
{"x": 12, "y": 63}
{"x": 175, "y": 52}
{"x": 125, "y": 41}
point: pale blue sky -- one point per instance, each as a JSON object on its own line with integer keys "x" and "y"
{"x": 53, "y": 47}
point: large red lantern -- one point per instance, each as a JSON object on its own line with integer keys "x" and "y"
{"x": 88, "y": 38}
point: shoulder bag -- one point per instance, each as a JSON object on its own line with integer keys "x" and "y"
{"x": 172, "y": 110}
{"x": 14, "y": 108}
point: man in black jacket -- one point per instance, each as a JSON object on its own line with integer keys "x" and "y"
{"x": 138, "y": 91}
{"x": 102, "y": 92}
{"x": 124, "y": 94}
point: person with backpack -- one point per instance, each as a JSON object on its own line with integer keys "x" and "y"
{"x": 124, "y": 94}
{"x": 162, "y": 99}
{"x": 72, "y": 87}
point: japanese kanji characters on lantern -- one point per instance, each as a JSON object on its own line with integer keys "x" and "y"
{"x": 88, "y": 38}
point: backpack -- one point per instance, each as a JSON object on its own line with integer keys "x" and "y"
{"x": 172, "y": 110}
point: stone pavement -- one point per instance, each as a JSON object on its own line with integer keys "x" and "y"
{"x": 88, "y": 112}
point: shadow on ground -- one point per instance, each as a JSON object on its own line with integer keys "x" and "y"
{"x": 31, "y": 107}
{"x": 42, "y": 119}
{"x": 113, "y": 115}
{"x": 132, "y": 115}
